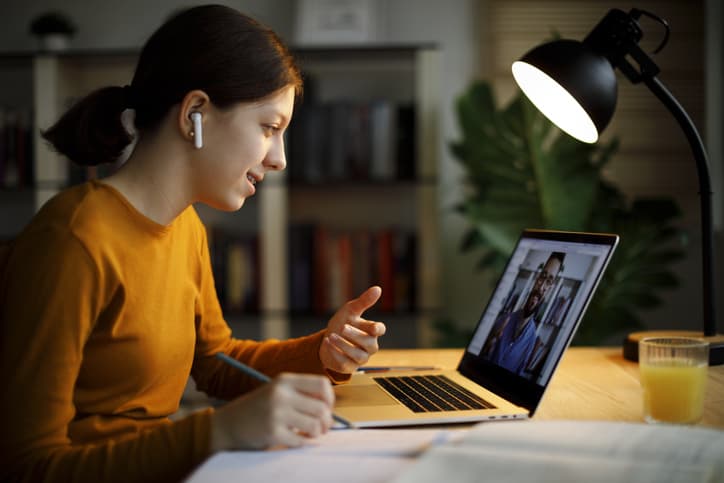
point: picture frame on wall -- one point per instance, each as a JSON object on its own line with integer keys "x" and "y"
{"x": 324, "y": 22}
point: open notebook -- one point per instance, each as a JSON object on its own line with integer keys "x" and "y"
{"x": 524, "y": 329}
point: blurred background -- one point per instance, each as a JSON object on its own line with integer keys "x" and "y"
{"x": 373, "y": 189}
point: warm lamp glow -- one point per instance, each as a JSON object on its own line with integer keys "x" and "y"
{"x": 555, "y": 102}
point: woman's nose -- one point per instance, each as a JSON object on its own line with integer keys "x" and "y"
{"x": 276, "y": 159}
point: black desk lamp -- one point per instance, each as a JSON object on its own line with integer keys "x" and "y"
{"x": 574, "y": 85}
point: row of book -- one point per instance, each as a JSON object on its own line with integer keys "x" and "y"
{"x": 16, "y": 148}
{"x": 327, "y": 267}
{"x": 352, "y": 141}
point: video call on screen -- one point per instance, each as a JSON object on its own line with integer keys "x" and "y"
{"x": 549, "y": 295}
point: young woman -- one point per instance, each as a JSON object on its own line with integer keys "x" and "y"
{"x": 107, "y": 301}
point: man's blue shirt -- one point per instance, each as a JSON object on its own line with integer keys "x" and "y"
{"x": 510, "y": 352}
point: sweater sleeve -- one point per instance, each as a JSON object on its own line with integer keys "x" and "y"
{"x": 165, "y": 453}
{"x": 44, "y": 325}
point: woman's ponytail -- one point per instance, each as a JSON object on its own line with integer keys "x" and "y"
{"x": 91, "y": 131}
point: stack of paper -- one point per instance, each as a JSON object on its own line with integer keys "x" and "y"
{"x": 575, "y": 451}
{"x": 526, "y": 451}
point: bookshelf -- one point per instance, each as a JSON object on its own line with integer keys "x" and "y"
{"x": 392, "y": 200}
{"x": 373, "y": 198}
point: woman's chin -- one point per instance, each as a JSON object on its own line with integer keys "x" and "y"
{"x": 236, "y": 205}
{"x": 227, "y": 205}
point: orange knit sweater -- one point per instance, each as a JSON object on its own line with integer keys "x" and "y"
{"x": 103, "y": 316}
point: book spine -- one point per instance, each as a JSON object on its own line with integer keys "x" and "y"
{"x": 352, "y": 141}
{"x": 329, "y": 266}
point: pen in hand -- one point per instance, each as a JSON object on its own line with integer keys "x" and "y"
{"x": 250, "y": 371}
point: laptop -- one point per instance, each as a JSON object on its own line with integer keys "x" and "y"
{"x": 526, "y": 326}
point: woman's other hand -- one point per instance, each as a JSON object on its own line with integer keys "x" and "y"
{"x": 350, "y": 339}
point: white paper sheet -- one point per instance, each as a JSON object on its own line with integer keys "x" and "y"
{"x": 349, "y": 456}
{"x": 575, "y": 451}
{"x": 541, "y": 451}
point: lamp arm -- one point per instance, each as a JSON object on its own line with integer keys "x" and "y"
{"x": 705, "y": 196}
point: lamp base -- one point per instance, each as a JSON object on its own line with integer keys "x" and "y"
{"x": 716, "y": 343}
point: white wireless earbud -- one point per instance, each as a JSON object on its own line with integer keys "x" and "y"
{"x": 198, "y": 136}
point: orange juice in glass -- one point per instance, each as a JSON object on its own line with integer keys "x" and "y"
{"x": 673, "y": 372}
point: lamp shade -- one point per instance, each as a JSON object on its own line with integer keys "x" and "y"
{"x": 571, "y": 85}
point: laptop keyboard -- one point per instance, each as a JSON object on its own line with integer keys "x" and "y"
{"x": 424, "y": 394}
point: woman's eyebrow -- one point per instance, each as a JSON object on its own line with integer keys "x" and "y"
{"x": 283, "y": 118}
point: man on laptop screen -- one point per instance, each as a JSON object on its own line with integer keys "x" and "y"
{"x": 537, "y": 304}
{"x": 514, "y": 334}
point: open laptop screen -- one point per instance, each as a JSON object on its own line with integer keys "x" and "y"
{"x": 534, "y": 311}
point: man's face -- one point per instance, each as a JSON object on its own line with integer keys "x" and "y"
{"x": 543, "y": 283}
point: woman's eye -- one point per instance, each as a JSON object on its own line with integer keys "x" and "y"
{"x": 269, "y": 129}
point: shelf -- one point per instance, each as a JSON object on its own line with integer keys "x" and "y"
{"x": 372, "y": 207}
{"x": 368, "y": 198}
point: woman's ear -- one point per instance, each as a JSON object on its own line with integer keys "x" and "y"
{"x": 193, "y": 109}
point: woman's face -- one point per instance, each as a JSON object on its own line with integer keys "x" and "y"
{"x": 241, "y": 144}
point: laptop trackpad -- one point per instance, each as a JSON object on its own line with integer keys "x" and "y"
{"x": 362, "y": 395}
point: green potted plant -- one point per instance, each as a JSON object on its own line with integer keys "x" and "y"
{"x": 523, "y": 172}
{"x": 53, "y": 29}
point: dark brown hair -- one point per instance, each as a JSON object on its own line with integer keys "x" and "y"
{"x": 228, "y": 55}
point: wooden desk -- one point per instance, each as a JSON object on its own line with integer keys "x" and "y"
{"x": 591, "y": 383}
